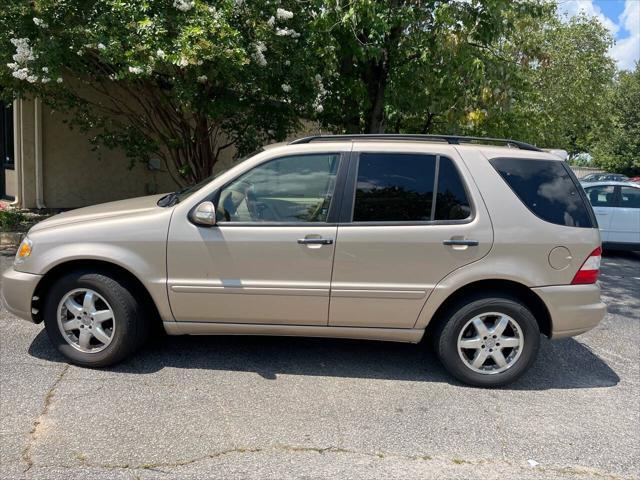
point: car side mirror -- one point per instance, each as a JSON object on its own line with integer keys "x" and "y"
{"x": 204, "y": 215}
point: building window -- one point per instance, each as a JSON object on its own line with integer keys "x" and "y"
{"x": 6, "y": 136}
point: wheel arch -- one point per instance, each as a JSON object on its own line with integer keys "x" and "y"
{"x": 94, "y": 266}
{"x": 496, "y": 286}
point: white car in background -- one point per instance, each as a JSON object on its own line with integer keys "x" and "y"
{"x": 617, "y": 208}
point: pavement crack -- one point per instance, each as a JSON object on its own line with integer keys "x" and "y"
{"x": 165, "y": 467}
{"x": 37, "y": 424}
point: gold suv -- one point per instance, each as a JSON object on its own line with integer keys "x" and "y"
{"x": 479, "y": 247}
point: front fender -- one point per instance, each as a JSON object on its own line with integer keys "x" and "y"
{"x": 137, "y": 244}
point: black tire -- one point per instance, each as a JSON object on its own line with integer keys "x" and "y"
{"x": 132, "y": 322}
{"x": 449, "y": 328}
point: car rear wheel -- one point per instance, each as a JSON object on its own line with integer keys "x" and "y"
{"x": 488, "y": 342}
{"x": 94, "y": 319}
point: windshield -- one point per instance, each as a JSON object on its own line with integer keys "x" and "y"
{"x": 179, "y": 195}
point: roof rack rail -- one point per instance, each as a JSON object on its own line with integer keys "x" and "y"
{"x": 450, "y": 139}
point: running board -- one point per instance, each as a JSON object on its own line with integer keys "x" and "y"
{"x": 407, "y": 335}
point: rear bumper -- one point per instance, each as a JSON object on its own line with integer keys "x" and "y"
{"x": 574, "y": 309}
{"x": 17, "y": 292}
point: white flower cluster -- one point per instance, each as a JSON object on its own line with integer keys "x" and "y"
{"x": 202, "y": 79}
{"x": 287, "y": 32}
{"x": 184, "y": 5}
{"x": 283, "y": 14}
{"x": 285, "y": 88}
{"x": 39, "y": 22}
{"x": 258, "y": 53}
{"x": 322, "y": 93}
{"x": 139, "y": 70}
{"x": 19, "y": 67}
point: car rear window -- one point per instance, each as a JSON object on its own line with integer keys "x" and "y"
{"x": 548, "y": 189}
{"x": 630, "y": 197}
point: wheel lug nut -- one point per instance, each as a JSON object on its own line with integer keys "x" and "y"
{"x": 483, "y": 346}
{"x": 491, "y": 349}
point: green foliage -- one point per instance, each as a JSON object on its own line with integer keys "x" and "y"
{"x": 617, "y": 144}
{"x": 563, "y": 80}
{"x": 10, "y": 220}
{"x": 182, "y": 79}
{"x": 409, "y": 66}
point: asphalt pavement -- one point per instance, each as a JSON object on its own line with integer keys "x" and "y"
{"x": 252, "y": 407}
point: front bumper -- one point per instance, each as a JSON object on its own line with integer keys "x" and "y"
{"x": 17, "y": 292}
{"x": 574, "y": 309}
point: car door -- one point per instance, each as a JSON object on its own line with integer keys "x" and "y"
{"x": 409, "y": 221}
{"x": 268, "y": 259}
{"x": 602, "y": 198}
{"x": 625, "y": 221}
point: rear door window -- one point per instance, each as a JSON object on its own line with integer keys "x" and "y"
{"x": 394, "y": 187}
{"x": 452, "y": 202}
{"x": 399, "y": 187}
{"x": 548, "y": 189}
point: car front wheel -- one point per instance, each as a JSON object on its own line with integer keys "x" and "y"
{"x": 94, "y": 319}
{"x": 488, "y": 342}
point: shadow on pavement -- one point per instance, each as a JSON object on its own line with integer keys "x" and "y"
{"x": 620, "y": 282}
{"x": 561, "y": 364}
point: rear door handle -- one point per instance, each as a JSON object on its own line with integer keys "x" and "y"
{"x": 458, "y": 242}
{"x": 315, "y": 241}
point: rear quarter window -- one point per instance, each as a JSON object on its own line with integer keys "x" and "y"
{"x": 548, "y": 189}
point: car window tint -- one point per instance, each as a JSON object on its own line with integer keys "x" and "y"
{"x": 289, "y": 189}
{"x": 394, "y": 187}
{"x": 630, "y": 197}
{"x": 547, "y": 189}
{"x": 601, "y": 196}
{"x": 451, "y": 200}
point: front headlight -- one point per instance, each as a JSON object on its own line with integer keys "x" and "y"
{"x": 24, "y": 250}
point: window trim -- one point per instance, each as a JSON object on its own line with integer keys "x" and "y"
{"x": 334, "y": 206}
{"x": 348, "y": 202}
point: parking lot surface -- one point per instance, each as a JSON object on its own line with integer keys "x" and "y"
{"x": 250, "y": 407}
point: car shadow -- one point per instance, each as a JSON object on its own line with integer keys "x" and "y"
{"x": 562, "y": 364}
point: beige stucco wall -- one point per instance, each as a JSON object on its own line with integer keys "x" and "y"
{"x": 72, "y": 174}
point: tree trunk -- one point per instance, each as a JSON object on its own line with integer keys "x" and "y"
{"x": 376, "y": 78}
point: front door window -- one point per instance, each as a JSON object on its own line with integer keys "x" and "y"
{"x": 285, "y": 190}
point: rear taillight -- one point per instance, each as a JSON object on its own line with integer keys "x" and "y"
{"x": 589, "y": 270}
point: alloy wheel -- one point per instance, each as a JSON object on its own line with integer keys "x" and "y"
{"x": 86, "y": 320}
{"x": 490, "y": 343}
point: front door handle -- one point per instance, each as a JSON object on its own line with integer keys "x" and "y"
{"x": 461, "y": 242}
{"x": 315, "y": 241}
